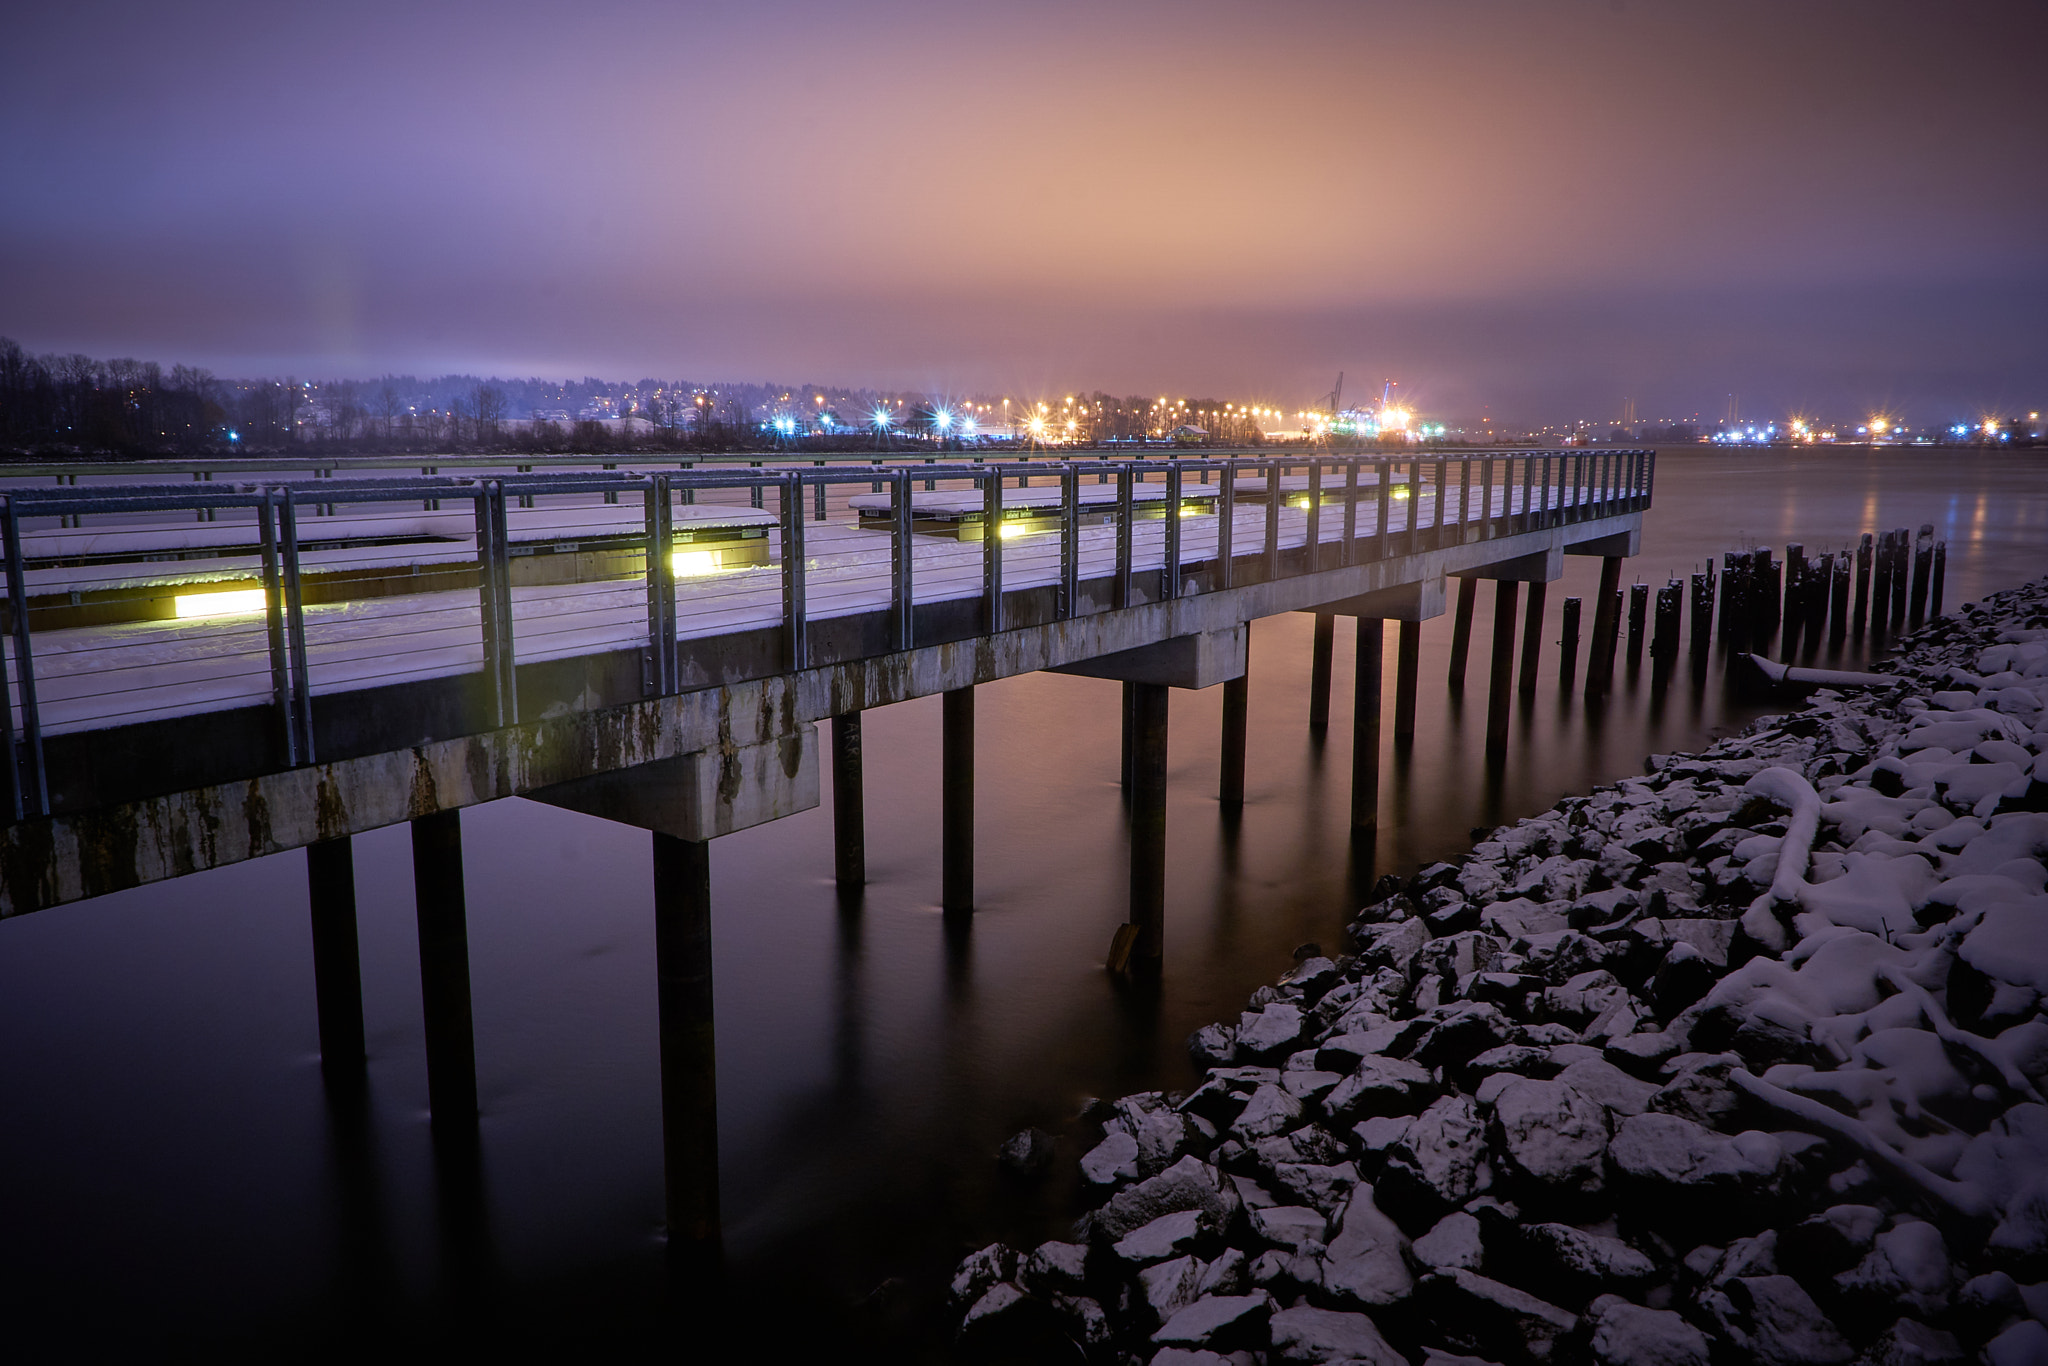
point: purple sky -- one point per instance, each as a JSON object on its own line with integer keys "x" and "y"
{"x": 1540, "y": 206}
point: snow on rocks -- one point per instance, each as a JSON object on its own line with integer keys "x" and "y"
{"x": 1745, "y": 1059}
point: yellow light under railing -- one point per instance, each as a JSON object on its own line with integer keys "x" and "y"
{"x": 230, "y": 604}
{"x": 693, "y": 564}
{"x": 1010, "y": 531}
{"x": 1400, "y": 491}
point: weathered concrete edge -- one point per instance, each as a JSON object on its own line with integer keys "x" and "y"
{"x": 50, "y": 862}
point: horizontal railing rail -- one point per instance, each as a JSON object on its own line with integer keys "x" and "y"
{"x": 540, "y": 554}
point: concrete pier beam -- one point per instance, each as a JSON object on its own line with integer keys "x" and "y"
{"x": 849, "y": 812}
{"x": 1461, "y": 633}
{"x": 1407, "y": 674}
{"x": 689, "y": 1055}
{"x": 444, "y": 973}
{"x": 1502, "y": 681}
{"x": 1319, "y": 671}
{"x": 1148, "y": 825}
{"x": 956, "y": 819}
{"x": 1236, "y": 732}
{"x": 337, "y": 958}
{"x": 1532, "y": 637}
{"x": 1365, "y": 731}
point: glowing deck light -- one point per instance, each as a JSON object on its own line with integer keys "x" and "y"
{"x": 693, "y": 564}
{"x": 230, "y": 604}
{"x": 1010, "y": 531}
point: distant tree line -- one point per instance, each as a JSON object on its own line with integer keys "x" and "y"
{"x": 78, "y": 403}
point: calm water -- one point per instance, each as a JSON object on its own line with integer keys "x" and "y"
{"x": 170, "y": 1168}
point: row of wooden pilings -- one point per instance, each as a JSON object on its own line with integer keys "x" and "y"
{"x": 1893, "y": 581}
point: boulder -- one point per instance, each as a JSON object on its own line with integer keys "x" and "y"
{"x": 1171, "y": 1286}
{"x": 1365, "y": 1264}
{"x": 1228, "y": 1274}
{"x": 1553, "y": 1139}
{"x": 1220, "y": 1323}
{"x": 1112, "y": 1161}
{"x": 1461, "y": 1032}
{"x": 1323, "y": 1187}
{"x": 1437, "y": 1164}
{"x": 1381, "y": 1086}
{"x": 1168, "y": 1236}
{"x": 1475, "y": 1313}
{"x": 1696, "y": 1178}
{"x": 1189, "y": 1184}
{"x": 1626, "y": 1334}
{"x": 1908, "y": 1269}
{"x": 2023, "y": 1344}
{"x": 1571, "y": 1266}
{"x": 1272, "y": 1032}
{"x": 1294, "y": 1227}
{"x": 1602, "y": 1082}
{"x": 1454, "y": 1242}
{"x": 1271, "y": 1110}
{"x": 1308, "y": 1334}
{"x": 1055, "y": 1266}
{"x": 980, "y": 1271}
{"x": 1910, "y": 1342}
{"x": 1772, "y": 1321}
{"x": 1027, "y": 1154}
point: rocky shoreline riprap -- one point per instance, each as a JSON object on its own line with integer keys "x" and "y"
{"x": 1741, "y": 1060}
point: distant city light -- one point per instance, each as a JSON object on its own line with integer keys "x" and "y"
{"x": 942, "y": 419}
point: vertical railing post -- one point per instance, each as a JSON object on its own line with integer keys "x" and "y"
{"x": 1464, "y": 497}
{"x": 1527, "y": 521}
{"x": 661, "y": 587}
{"x": 1350, "y": 555}
{"x": 1124, "y": 475}
{"x": 796, "y": 632}
{"x": 1226, "y": 525}
{"x": 992, "y": 549}
{"x": 1169, "y": 569}
{"x": 1384, "y": 473}
{"x": 32, "y": 783}
{"x": 295, "y": 626}
{"x": 901, "y": 590}
{"x": 1069, "y": 596}
{"x": 1314, "y": 555}
{"x": 274, "y": 629}
{"x": 1273, "y": 499}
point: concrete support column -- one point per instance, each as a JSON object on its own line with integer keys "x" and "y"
{"x": 337, "y": 961}
{"x": 689, "y": 1056}
{"x": 1125, "y": 731}
{"x": 1502, "y": 682}
{"x": 1365, "y": 730}
{"x": 1148, "y": 823}
{"x": 444, "y": 972}
{"x": 1461, "y": 632}
{"x": 1236, "y": 726}
{"x": 1407, "y": 673}
{"x": 956, "y": 820}
{"x": 849, "y": 815}
{"x": 1606, "y": 625}
{"x": 1319, "y": 672}
{"x": 1532, "y": 637}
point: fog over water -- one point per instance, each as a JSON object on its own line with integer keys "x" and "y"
{"x": 169, "y": 1163}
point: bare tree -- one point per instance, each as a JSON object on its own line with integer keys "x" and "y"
{"x": 488, "y": 402}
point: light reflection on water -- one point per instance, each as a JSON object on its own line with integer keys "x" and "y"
{"x": 168, "y": 1160}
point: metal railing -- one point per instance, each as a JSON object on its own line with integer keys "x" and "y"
{"x": 1319, "y": 512}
